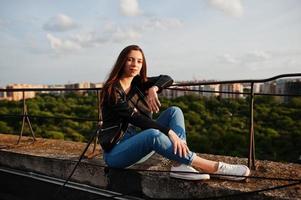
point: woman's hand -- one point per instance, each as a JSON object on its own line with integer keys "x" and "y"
{"x": 152, "y": 99}
{"x": 179, "y": 145}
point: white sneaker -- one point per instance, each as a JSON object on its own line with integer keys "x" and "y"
{"x": 194, "y": 175}
{"x": 236, "y": 170}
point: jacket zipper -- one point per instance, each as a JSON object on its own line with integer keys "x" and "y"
{"x": 109, "y": 128}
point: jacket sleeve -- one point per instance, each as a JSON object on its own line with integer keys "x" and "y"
{"x": 162, "y": 81}
{"x": 124, "y": 111}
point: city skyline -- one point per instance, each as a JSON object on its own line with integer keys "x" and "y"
{"x": 280, "y": 86}
{"x": 69, "y": 41}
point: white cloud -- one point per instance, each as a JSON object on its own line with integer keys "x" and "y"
{"x": 229, "y": 59}
{"x": 62, "y": 45}
{"x": 88, "y": 39}
{"x": 256, "y": 56}
{"x": 246, "y": 58}
{"x": 60, "y": 23}
{"x": 122, "y": 35}
{"x": 92, "y": 39}
{"x": 229, "y": 7}
{"x": 130, "y": 7}
{"x": 162, "y": 24}
{"x": 114, "y": 34}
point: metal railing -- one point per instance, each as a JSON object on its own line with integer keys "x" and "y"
{"x": 252, "y": 94}
{"x": 180, "y": 86}
{"x": 25, "y": 116}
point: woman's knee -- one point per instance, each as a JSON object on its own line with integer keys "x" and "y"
{"x": 176, "y": 110}
{"x": 156, "y": 136}
{"x": 153, "y": 133}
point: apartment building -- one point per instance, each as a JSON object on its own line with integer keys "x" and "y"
{"x": 17, "y": 96}
{"x": 56, "y": 92}
{"x": 212, "y": 89}
{"x": 2, "y": 94}
{"x": 235, "y": 87}
{"x": 78, "y": 86}
{"x": 288, "y": 86}
{"x": 171, "y": 94}
{"x": 206, "y": 91}
{"x": 268, "y": 87}
{"x": 282, "y": 86}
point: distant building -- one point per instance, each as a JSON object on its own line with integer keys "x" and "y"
{"x": 256, "y": 87}
{"x": 2, "y": 94}
{"x": 268, "y": 87}
{"x": 291, "y": 87}
{"x": 282, "y": 86}
{"x": 213, "y": 88}
{"x": 56, "y": 92}
{"x": 206, "y": 90}
{"x": 17, "y": 96}
{"x": 40, "y": 86}
{"x": 171, "y": 94}
{"x": 96, "y": 85}
{"x": 78, "y": 86}
{"x": 234, "y": 87}
{"x": 247, "y": 87}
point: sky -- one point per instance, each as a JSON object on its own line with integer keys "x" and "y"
{"x": 69, "y": 41}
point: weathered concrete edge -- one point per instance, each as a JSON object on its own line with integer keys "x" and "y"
{"x": 59, "y": 168}
{"x": 150, "y": 184}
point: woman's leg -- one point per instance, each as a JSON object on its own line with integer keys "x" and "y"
{"x": 173, "y": 118}
{"x": 131, "y": 150}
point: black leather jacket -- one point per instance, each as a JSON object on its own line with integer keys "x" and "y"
{"x": 130, "y": 108}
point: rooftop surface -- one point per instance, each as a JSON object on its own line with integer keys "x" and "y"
{"x": 158, "y": 184}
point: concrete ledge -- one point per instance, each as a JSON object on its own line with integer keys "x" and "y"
{"x": 56, "y": 158}
{"x": 59, "y": 168}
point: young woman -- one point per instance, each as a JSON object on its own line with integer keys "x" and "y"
{"x": 130, "y": 134}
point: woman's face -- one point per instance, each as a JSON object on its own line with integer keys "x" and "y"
{"x": 133, "y": 64}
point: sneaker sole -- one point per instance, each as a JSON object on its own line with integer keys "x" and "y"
{"x": 234, "y": 178}
{"x": 193, "y": 177}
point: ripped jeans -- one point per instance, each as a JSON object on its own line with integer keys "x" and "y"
{"x": 135, "y": 147}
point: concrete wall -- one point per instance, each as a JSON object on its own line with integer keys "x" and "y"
{"x": 60, "y": 168}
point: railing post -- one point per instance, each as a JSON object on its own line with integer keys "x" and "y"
{"x": 98, "y": 118}
{"x": 98, "y": 106}
{"x": 95, "y": 139}
{"x": 251, "y": 158}
{"x": 25, "y": 117}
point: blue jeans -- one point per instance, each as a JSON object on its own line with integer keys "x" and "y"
{"x": 135, "y": 146}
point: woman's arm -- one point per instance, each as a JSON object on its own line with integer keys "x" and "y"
{"x": 156, "y": 85}
{"x": 162, "y": 81}
{"x": 131, "y": 115}
{"x": 152, "y": 99}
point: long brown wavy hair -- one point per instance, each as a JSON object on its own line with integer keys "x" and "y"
{"x": 117, "y": 71}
